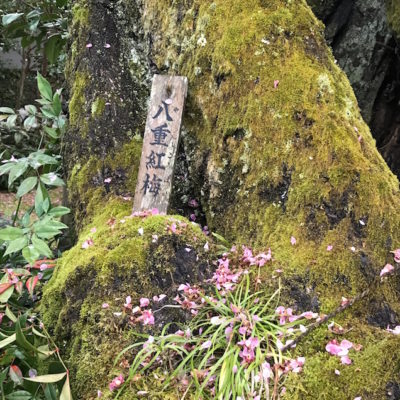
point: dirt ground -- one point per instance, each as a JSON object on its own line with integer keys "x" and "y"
{"x": 9, "y": 202}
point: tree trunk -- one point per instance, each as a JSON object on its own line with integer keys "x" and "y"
{"x": 274, "y": 146}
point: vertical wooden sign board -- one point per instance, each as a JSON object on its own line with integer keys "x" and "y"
{"x": 160, "y": 144}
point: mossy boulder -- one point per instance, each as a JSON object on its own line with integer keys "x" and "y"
{"x": 275, "y": 146}
{"x": 122, "y": 262}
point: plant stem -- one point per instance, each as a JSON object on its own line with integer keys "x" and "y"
{"x": 17, "y": 211}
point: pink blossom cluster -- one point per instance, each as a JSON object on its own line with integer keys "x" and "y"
{"x": 259, "y": 259}
{"x": 248, "y": 346}
{"x": 146, "y": 213}
{"x": 140, "y": 313}
{"x": 388, "y": 268}
{"x": 286, "y": 315}
{"x": 224, "y": 278}
{"x": 190, "y": 298}
{"x": 117, "y": 382}
{"x": 341, "y": 349}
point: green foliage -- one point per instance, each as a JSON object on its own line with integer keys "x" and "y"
{"x": 38, "y": 25}
{"x": 37, "y": 170}
{"x": 25, "y": 345}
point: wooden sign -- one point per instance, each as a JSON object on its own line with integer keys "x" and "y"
{"x": 160, "y": 144}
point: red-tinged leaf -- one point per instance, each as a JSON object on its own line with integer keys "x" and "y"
{"x": 49, "y": 263}
{"x": 16, "y": 374}
{"x": 19, "y": 286}
{"x": 4, "y": 287}
{"x": 31, "y": 283}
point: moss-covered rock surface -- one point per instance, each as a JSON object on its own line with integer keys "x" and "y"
{"x": 276, "y": 147}
{"x": 130, "y": 256}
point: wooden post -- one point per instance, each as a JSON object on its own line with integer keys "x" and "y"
{"x": 161, "y": 140}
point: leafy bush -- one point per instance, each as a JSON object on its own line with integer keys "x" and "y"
{"x": 25, "y": 344}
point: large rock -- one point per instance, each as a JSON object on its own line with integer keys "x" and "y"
{"x": 121, "y": 262}
{"x": 275, "y": 146}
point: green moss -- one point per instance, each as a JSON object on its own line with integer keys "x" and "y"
{"x": 78, "y": 102}
{"x": 80, "y": 13}
{"x": 86, "y": 181}
{"x": 306, "y": 173}
{"x": 121, "y": 262}
{"x": 98, "y": 107}
{"x": 372, "y": 368}
{"x": 393, "y": 11}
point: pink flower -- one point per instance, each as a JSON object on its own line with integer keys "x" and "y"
{"x": 128, "y": 302}
{"x": 276, "y": 84}
{"x": 293, "y": 240}
{"x": 395, "y": 331}
{"x": 345, "y": 360}
{"x": 193, "y": 203}
{"x": 107, "y": 180}
{"x": 87, "y": 243}
{"x": 116, "y": 382}
{"x": 107, "y": 46}
{"x": 159, "y": 298}
{"x": 386, "y": 269}
{"x": 266, "y": 371}
{"x": 234, "y": 369}
{"x": 105, "y": 305}
{"x": 147, "y": 317}
{"x": 206, "y": 345}
{"x": 329, "y": 248}
{"x": 89, "y": 45}
{"x": 173, "y": 228}
{"x": 144, "y": 302}
{"x": 396, "y": 255}
{"x": 193, "y": 217}
{"x": 337, "y": 372}
{"x": 309, "y": 315}
{"x": 93, "y": 230}
{"x": 333, "y": 348}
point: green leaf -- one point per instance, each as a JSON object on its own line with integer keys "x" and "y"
{"x": 16, "y": 171}
{"x": 9, "y": 18}
{"x": 20, "y": 337}
{"x": 41, "y": 246}
{"x": 11, "y": 120}
{"x": 7, "y": 341}
{"x": 16, "y": 245}
{"x": 48, "y": 112}
{"x": 52, "y": 132}
{"x": 26, "y": 186}
{"x": 4, "y": 169}
{"x": 39, "y": 158}
{"x": 47, "y": 378}
{"x": 44, "y": 87}
{"x": 31, "y": 109}
{"x": 11, "y": 233}
{"x": 51, "y": 179}
{"x": 10, "y": 315}
{"x": 53, "y": 47}
{"x": 50, "y": 392}
{"x": 7, "y": 294}
{"x": 19, "y": 395}
{"x": 66, "y": 391}
{"x": 41, "y": 206}
{"x": 58, "y": 211}
{"x": 30, "y": 122}
{"x": 57, "y": 104}
{"x": 7, "y": 110}
{"x": 30, "y": 254}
